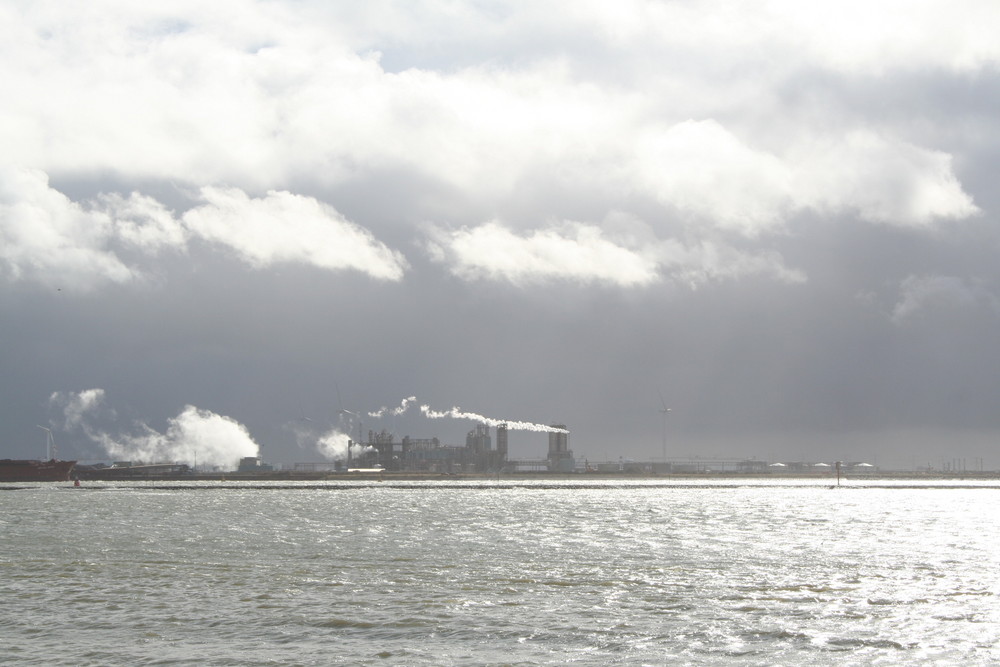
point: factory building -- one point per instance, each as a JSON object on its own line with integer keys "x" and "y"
{"x": 254, "y": 464}
{"x": 478, "y": 439}
{"x": 478, "y": 455}
{"x": 415, "y": 454}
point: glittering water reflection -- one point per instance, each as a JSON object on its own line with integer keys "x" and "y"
{"x": 476, "y": 574}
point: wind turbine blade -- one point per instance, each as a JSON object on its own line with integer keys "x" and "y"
{"x": 340, "y": 402}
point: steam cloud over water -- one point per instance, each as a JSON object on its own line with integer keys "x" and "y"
{"x": 194, "y": 436}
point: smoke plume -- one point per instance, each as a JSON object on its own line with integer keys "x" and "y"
{"x": 458, "y": 413}
{"x": 76, "y": 406}
{"x": 403, "y": 407}
{"x": 194, "y": 436}
{"x": 333, "y": 445}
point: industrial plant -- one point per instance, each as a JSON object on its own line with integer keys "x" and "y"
{"x": 485, "y": 452}
{"x": 480, "y": 454}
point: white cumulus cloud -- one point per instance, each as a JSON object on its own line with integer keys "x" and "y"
{"x": 284, "y": 227}
{"x": 585, "y": 253}
{"x": 883, "y": 180}
{"x": 47, "y": 238}
{"x": 572, "y": 252}
{"x": 702, "y": 168}
{"x": 483, "y": 103}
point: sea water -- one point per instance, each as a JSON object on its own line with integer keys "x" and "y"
{"x": 500, "y": 573}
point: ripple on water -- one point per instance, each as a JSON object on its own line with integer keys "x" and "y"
{"x": 514, "y": 575}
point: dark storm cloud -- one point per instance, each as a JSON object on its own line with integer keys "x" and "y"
{"x": 782, "y": 223}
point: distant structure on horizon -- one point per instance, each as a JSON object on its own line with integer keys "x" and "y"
{"x": 428, "y": 455}
{"x": 560, "y": 455}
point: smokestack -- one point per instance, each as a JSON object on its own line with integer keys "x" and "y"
{"x": 502, "y": 442}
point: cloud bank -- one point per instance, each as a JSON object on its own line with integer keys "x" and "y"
{"x": 294, "y": 97}
{"x": 782, "y": 214}
{"x": 52, "y": 240}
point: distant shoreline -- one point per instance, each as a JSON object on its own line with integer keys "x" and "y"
{"x": 409, "y": 476}
{"x": 896, "y": 480}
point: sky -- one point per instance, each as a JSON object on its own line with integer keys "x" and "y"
{"x": 243, "y": 227}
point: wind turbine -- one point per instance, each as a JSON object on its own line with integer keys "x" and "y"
{"x": 361, "y": 425}
{"x": 664, "y": 410}
{"x": 302, "y": 415}
{"x": 50, "y": 443}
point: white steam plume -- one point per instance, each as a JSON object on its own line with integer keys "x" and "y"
{"x": 76, "y": 405}
{"x": 333, "y": 445}
{"x": 193, "y": 436}
{"x": 457, "y": 413}
{"x": 403, "y": 407}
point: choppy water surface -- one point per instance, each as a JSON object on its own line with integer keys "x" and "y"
{"x": 500, "y": 574}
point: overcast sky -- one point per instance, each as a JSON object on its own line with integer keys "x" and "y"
{"x": 221, "y": 223}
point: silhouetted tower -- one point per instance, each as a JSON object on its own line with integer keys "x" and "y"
{"x": 478, "y": 440}
{"x": 560, "y": 455}
{"x": 502, "y": 443}
{"x": 558, "y": 443}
